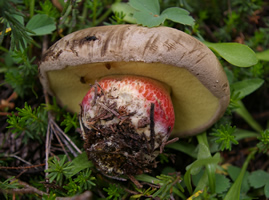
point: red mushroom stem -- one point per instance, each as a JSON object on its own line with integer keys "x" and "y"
{"x": 126, "y": 121}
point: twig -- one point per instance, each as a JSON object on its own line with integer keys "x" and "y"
{"x": 61, "y": 136}
{"x": 17, "y": 157}
{"x": 135, "y": 181}
{"x": 68, "y": 139}
{"x": 27, "y": 189}
{"x": 59, "y": 140}
{"x": 47, "y": 149}
{"x": 95, "y": 95}
{"x": 57, "y": 4}
{"x": 7, "y": 113}
{"x": 23, "y": 167}
{"x": 45, "y": 44}
{"x": 48, "y": 139}
{"x": 168, "y": 142}
{"x": 152, "y": 124}
{"x": 86, "y": 195}
{"x": 102, "y": 90}
{"x": 108, "y": 109}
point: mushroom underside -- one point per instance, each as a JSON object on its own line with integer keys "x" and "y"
{"x": 196, "y": 108}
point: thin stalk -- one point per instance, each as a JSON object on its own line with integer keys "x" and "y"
{"x": 243, "y": 112}
{"x": 32, "y": 8}
{"x": 105, "y": 15}
{"x": 234, "y": 191}
{"x": 84, "y": 14}
{"x": 210, "y": 168}
{"x": 94, "y": 9}
{"x": 202, "y": 139}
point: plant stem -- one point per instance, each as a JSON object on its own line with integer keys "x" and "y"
{"x": 234, "y": 191}
{"x": 32, "y": 8}
{"x": 105, "y": 15}
{"x": 84, "y": 14}
{"x": 94, "y": 12}
{"x": 243, "y": 112}
{"x": 205, "y": 153}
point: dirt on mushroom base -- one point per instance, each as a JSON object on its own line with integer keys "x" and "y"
{"x": 126, "y": 122}
{"x": 118, "y": 148}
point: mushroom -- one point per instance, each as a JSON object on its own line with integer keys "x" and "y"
{"x": 187, "y": 70}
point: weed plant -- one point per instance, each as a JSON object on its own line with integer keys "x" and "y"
{"x": 41, "y": 151}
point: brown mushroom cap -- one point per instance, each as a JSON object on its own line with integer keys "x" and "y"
{"x": 199, "y": 86}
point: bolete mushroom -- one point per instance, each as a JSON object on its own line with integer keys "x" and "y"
{"x": 100, "y": 59}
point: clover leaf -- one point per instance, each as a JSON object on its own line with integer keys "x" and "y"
{"x": 259, "y": 179}
{"x": 148, "y": 13}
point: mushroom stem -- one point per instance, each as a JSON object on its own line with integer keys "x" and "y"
{"x": 125, "y": 123}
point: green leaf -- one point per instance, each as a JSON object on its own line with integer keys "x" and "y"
{"x": 266, "y": 190}
{"x": 237, "y": 54}
{"x": 222, "y": 183}
{"x": 41, "y": 24}
{"x": 148, "y": 19}
{"x": 258, "y": 178}
{"x": 224, "y": 136}
{"x": 263, "y": 144}
{"x": 234, "y": 191}
{"x": 70, "y": 122}
{"x": 184, "y": 147}
{"x": 149, "y": 6}
{"x": 234, "y": 173}
{"x": 19, "y": 18}
{"x": 126, "y": 9}
{"x": 178, "y": 15}
{"x": 204, "y": 160}
{"x": 242, "y": 134}
{"x": 263, "y": 55}
{"x": 148, "y": 13}
{"x": 79, "y": 163}
{"x": 243, "y": 112}
{"x": 246, "y": 87}
{"x": 199, "y": 163}
{"x": 204, "y": 153}
{"x": 147, "y": 178}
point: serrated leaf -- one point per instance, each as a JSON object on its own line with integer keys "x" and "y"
{"x": 234, "y": 173}
{"x": 126, "y": 9}
{"x": 263, "y": 55}
{"x": 258, "y": 178}
{"x": 41, "y": 24}
{"x": 246, "y": 87}
{"x": 147, "y": 6}
{"x": 237, "y": 54}
{"x": 178, "y": 15}
{"x": 222, "y": 183}
{"x": 148, "y": 12}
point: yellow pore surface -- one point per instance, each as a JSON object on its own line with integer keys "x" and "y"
{"x": 194, "y": 104}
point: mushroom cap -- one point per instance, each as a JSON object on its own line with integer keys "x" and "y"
{"x": 198, "y": 84}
